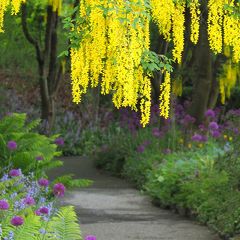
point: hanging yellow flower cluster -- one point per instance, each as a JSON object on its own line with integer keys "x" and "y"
{"x": 15, "y": 5}
{"x": 228, "y": 77}
{"x": 195, "y": 20}
{"x": 164, "y": 98}
{"x": 215, "y": 23}
{"x": 170, "y": 18}
{"x": 57, "y": 5}
{"x": 114, "y": 36}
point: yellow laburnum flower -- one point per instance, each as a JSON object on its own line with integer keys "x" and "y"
{"x": 56, "y": 5}
{"x": 162, "y": 12}
{"x": 15, "y": 4}
{"x": 215, "y": 24}
{"x": 178, "y": 20}
{"x": 195, "y": 20}
{"x": 110, "y": 53}
{"x": 164, "y": 98}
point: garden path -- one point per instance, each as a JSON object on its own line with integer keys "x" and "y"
{"x": 112, "y": 209}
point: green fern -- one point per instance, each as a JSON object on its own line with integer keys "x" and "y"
{"x": 65, "y": 224}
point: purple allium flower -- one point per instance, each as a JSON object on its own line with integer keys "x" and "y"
{"x": 59, "y": 190}
{"x": 156, "y": 132}
{"x": 215, "y": 133}
{"x": 210, "y": 113}
{"x": 37, "y": 212}
{"x": 43, "y": 182}
{"x": 146, "y": 143}
{"x": 213, "y": 126}
{"x": 12, "y": 145}
{"x": 197, "y": 138}
{"x": 29, "y": 201}
{"x": 43, "y": 210}
{"x": 188, "y": 119}
{"x": 59, "y": 141}
{"x": 167, "y": 151}
{"x": 15, "y": 172}
{"x": 90, "y": 237}
{"x": 17, "y": 221}
{"x": 39, "y": 158}
{"x": 4, "y": 205}
{"x": 141, "y": 148}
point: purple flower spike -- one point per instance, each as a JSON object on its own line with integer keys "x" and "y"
{"x": 43, "y": 182}
{"x": 15, "y": 173}
{"x": 29, "y": 201}
{"x": 216, "y": 134}
{"x": 12, "y": 145}
{"x": 197, "y": 138}
{"x": 39, "y": 158}
{"x": 213, "y": 126}
{"x": 59, "y": 190}
{"x": 17, "y": 221}
{"x": 167, "y": 151}
{"x": 4, "y": 205}
{"x": 90, "y": 237}
{"x": 59, "y": 141}
{"x": 210, "y": 113}
{"x": 140, "y": 148}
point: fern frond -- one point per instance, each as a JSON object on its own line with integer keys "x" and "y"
{"x": 65, "y": 224}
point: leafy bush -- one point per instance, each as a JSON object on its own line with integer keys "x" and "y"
{"x": 20, "y": 147}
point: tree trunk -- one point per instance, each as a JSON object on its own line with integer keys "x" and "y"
{"x": 203, "y": 79}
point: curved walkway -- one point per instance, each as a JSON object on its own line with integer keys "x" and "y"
{"x": 112, "y": 209}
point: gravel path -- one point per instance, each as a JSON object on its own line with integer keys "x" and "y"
{"x": 112, "y": 209}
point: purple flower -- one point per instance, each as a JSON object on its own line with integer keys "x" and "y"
{"x": 43, "y": 210}
{"x": 213, "y": 126}
{"x": 188, "y": 119}
{"x": 59, "y": 141}
{"x": 215, "y": 133}
{"x": 15, "y": 173}
{"x": 12, "y": 145}
{"x": 59, "y": 190}
{"x": 29, "y": 201}
{"x": 43, "y": 182}
{"x": 4, "y": 205}
{"x": 90, "y": 237}
{"x": 156, "y": 132}
{"x": 17, "y": 221}
{"x": 197, "y": 138}
{"x": 37, "y": 212}
{"x": 167, "y": 151}
{"x": 210, "y": 113}
{"x": 39, "y": 158}
{"x": 141, "y": 148}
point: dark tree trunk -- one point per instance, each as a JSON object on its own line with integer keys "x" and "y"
{"x": 203, "y": 79}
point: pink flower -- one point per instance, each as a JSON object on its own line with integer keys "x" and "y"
{"x": 43, "y": 182}
{"x": 43, "y": 210}
{"x": 4, "y": 205}
{"x": 15, "y": 172}
{"x": 29, "y": 201}
{"x": 59, "y": 190}
{"x": 12, "y": 145}
{"x": 90, "y": 237}
{"x": 17, "y": 221}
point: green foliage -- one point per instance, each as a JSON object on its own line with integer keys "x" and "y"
{"x": 65, "y": 225}
{"x": 30, "y": 145}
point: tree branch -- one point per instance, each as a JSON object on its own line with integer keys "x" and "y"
{"x": 27, "y": 34}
